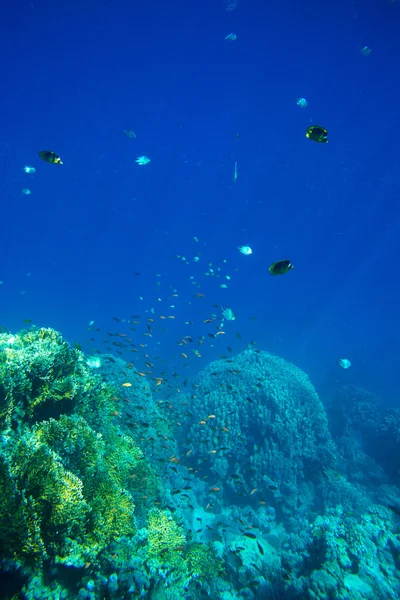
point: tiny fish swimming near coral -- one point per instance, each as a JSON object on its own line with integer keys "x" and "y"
{"x": 228, "y": 313}
{"x": 50, "y": 157}
{"x": 94, "y": 362}
{"x": 318, "y": 134}
{"x": 280, "y": 267}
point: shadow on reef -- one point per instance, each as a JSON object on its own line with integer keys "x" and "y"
{"x": 110, "y": 489}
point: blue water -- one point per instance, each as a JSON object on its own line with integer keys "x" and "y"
{"x": 100, "y": 232}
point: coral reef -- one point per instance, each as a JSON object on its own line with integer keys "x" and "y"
{"x": 367, "y": 433}
{"x": 65, "y": 485}
{"x": 108, "y": 494}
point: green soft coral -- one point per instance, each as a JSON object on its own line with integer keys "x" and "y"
{"x": 165, "y": 537}
{"x": 68, "y": 475}
{"x": 201, "y": 560}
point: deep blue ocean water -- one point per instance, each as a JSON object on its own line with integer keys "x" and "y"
{"x": 74, "y": 76}
{"x": 101, "y": 238}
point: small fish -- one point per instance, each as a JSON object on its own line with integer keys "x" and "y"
{"x": 214, "y": 490}
{"x": 302, "y": 102}
{"x": 253, "y": 491}
{"x": 129, "y": 133}
{"x": 235, "y": 173}
{"x": 260, "y": 548}
{"x": 318, "y": 134}
{"x": 127, "y": 384}
{"x": 365, "y": 51}
{"x": 142, "y": 160}
{"x": 50, "y": 157}
{"x": 250, "y": 535}
{"x": 344, "y": 363}
{"x": 231, "y": 37}
{"x": 246, "y": 250}
{"x": 228, "y": 313}
{"x": 280, "y": 267}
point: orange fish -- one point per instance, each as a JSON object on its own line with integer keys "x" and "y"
{"x": 201, "y": 423}
{"x": 211, "y": 417}
{"x": 174, "y": 459}
{"x": 214, "y": 489}
{"x": 127, "y": 385}
{"x": 220, "y": 332}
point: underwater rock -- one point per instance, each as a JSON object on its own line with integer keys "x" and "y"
{"x": 270, "y": 430}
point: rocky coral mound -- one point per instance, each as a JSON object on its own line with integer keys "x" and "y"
{"x": 257, "y": 424}
{"x": 367, "y": 433}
